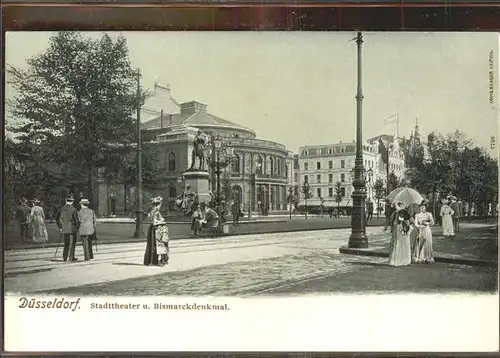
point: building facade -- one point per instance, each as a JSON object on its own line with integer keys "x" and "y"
{"x": 259, "y": 175}
{"x": 323, "y": 166}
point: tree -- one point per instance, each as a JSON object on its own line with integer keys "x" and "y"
{"x": 392, "y": 182}
{"x": 321, "y": 204}
{"x": 339, "y": 195}
{"x": 307, "y": 191}
{"x": 379, "y": 190}
{"x": 454, "y": 166}
{"x": 291, "y": 201}
{"x": 81, "y": 95}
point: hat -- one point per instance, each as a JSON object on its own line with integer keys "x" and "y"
{"x": 70, "y": 198}
{"x": 84, "y": 201}
{"x": 36, "y": 201}
{"x": 157, "y": 200}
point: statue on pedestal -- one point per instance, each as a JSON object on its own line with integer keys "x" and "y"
{"x": 198, "y": 152}
{"x": 187, "y": 201}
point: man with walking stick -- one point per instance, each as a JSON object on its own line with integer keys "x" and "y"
{"x": 67, "y": 222}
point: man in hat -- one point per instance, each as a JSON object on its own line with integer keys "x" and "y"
{"x": 87, "y": 226}
{"x": 67, "y": 222}
{"x": 22, "y": 213}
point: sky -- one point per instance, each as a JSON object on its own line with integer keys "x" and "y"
{"x": 299, "y": 88}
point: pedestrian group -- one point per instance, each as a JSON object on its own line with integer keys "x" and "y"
{"x": 411, "y": 235}
{"x": 72, "y": 222}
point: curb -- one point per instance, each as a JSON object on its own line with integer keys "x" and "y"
{"x": 443, "y": 259}
{"x": 135, "y": 240}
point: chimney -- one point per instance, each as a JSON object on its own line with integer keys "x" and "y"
{"x": 190, "y": 108}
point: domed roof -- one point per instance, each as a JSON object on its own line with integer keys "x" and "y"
{"x": 194, "y": 114}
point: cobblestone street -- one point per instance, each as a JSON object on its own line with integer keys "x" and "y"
{"x": 286, "y": 263}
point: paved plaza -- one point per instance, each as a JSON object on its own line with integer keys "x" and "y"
{"x": 248, "y": 265}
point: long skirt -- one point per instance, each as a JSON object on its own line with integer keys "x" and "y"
{"x": 422, "y": 251}
{"x": 400, "y": 254}
{"x": 151, "y": 255}
{"x": 39, "y": 230}
{"x": 448, "y": 229}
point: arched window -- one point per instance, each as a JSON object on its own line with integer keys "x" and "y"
{"x": 258, "y": 164}
{"x": 278, "y": 166}
{"x": 237, "y": 194}
{"x": 235, "y": 164}
{"x": 286, "y": 171}
{"x": 172, "y": 192}
{"x": 171, "y": 162}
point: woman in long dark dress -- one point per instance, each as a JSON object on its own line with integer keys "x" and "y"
{"x": 157, "y": 242}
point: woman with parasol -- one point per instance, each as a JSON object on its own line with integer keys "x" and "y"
{"x": 401, "y": 223}
{"x": 422, "y": 252}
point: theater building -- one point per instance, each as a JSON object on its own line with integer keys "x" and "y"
{"x": 259, "y": 175}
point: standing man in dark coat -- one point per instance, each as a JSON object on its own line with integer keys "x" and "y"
{"x": 22, "y": 213}
{"x": 67, "y": 222}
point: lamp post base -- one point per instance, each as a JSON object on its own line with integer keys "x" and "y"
{"x": 358, "y": 241}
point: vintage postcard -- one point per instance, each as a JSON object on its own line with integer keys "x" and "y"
{"x": 242, "y": 191}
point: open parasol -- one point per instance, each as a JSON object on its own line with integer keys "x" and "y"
{"x": 405, "y": 195}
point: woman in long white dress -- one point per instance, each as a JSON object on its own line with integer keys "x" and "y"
{"x": 447, "y": 219}
{"x": 423, "y": 246}
{"x": 400, "y": 254}
{"x": 37, "y": 223}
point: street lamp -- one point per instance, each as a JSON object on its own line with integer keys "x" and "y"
{"x": 139, "y": 212}
{"x": 358, "y": 237}
{"x": 219, "y": 155}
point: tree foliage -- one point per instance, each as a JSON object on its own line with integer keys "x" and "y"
{"x": 79, "y": 97}
{"x": 454, "y": 166}
{"x": 339, "y": 194}
{"x": 307, "y": 191}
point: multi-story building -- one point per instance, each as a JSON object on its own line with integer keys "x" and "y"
{"x": 323, "y": 166}
{"x": 260, "y": 174}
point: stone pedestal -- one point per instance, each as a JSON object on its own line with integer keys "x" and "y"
{"x": 198, "y": 180}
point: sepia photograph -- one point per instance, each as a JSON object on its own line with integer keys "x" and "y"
{"x": 249, "y": 165}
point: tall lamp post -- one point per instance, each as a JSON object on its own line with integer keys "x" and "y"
{"x": 219, "y": 156}
{"x": 139, "y": 212}
{"x": 358, "y": 237}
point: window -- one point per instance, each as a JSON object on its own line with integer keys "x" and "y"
{"x": 318, "y": 165}
{"x": 342, "y": 191}
{"x": 330, "y": 164}
{"x": 235, "y": 164}
{"x": 330, "y": 178}
{"x": 342, "y": 177}
{"x": 306, "y": 179}
{"x": 318, "y": 191}
{"x": 330, "y": 192}
{"x": 318, "y": 178}
{"x": 306, "y": 166}
{"x": 342, "y": 163}
{"x": 286, "y": 171}
{"x": 171, "y": 162}
{"x": 172, "y": 192}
